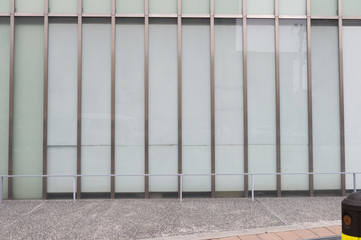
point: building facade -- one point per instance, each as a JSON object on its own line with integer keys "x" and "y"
{"x": 179, "y": 87}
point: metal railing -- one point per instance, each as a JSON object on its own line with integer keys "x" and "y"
{"x": 75, "y": 176}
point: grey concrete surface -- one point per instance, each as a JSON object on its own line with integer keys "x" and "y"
{"x": 160, "y": 218}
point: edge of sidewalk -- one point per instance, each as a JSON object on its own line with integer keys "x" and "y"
{"x": 253, "y": 231}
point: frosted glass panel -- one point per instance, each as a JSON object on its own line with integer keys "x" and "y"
{"x": 96, "y": 92}
{"x": 228, "y": 6}
{"x": 324, "y": 7}
{"x": 62, "y": 92}
{"x": 4, "y": 96}
{"x": 196, "y": 160}
{"x": 294, "y": 7}
{"x": 163, "y": 160}
{"x": 63, "y": 6}
{"x": 196, "y": 103}
{"x": 229, "y": 103}
{"x": 97, "y": 6}
{"x": 129, "y": 160}
{"x": 95, "y": 160}
{"x": 129, "y": 106}
{"x": 260, "y": 7}
{"x": 352, "y": 87}
{"x": 294, "y": 103}
{"x": 326, "y": 115}
{"x": 28, "y": 106}
{"x": 61, "y": 160}
{"x": 163, "y": 104}
{"x": 261, "y": 100}
{"x": 29, "y": 6}
{"x": 130, "y": 6}
{"x": 163, "y": 6}
{"x": 351, "y": 7}
{"x": 195, "y": 6}
{"x": 5, "y": 6}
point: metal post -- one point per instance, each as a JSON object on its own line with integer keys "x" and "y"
{"x": 181, "y": 188}
{"x": 354, "y": 182}
{"x": 74, "y": 188}
{"x": 252, "y": 186}
{"x": 1, "y": 190}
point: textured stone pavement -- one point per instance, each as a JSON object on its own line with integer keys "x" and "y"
{"x": 164, "y": 218}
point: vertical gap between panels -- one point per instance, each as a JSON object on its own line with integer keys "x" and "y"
{"x": 79, "y": 98}
{"x": 213, "y": 152}
{"x": 277, "y": 82}
{"x": 112, "y": 160}
{"x": 45, "y": 100}
{"x": 146, "y": 98}
{"x": 11, "y": 99}
{"x": 245, "y": 102}
{"x": 179, "y": 52}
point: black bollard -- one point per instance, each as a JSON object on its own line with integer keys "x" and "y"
{"x": 351, "y": 217}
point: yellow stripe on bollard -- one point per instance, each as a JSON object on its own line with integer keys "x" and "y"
{"x": 347, "y": 237}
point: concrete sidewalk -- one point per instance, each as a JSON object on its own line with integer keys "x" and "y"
{"x": 165, "y": 218}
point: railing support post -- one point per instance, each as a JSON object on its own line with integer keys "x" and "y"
{"x": 252, "y": 186}
{"x": 1, "y": 190}
{"x": 181, "y": 188}
{"x": 74, "y": 188}
{"x": 354, "y": 182}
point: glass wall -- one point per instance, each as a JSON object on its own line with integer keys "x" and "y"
{"x": 352, "y": 88}
{"x": 5, "y": 6}
{"x": 28, "y": 106}
{"x": 293, "y": 103}
{"x": 261, "y": 101}
{"x": 261, "y": 7}
{"x": 294, "y": 7}
{"x": 96, "y": 100}
{"x": 195, "y": 7}
{"x": 324, "y": 7}
{"x": 196, "y": 101}
{"x": 228, "y": 6}
{"x": 130, "y": 6}
{"x": 229, "y": 103}
{"x": 163, "y": 6}
{"x": 325, "y": 104}
{"x": 129, "y": 104}
{"x": 163, "y": 102}
{"x": 29, "y": 6}
{"x": 4, "y": 98}
{"x": 63, "y": 6}
{"x": 351, "y": 8}
{"x": 62, "y": 102}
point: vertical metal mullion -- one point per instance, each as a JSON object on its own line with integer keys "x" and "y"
{"x": 278, "y": 117}
{"x": 45, "y": 100}
{"x": 342, "y": 107}
{"x": 146, "y": 97}
{"x": 179, "y": 52}
{"x": 245, "y": 97}
{"x": 112, "y": 160}
{"x": 79, "y": 98}
{"x": 213, "y": 150}
{"x": 309, "y": 82}
{"x": 11, "y": 99}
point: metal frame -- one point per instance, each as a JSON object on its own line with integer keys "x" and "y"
{"x": 179, "y": 16}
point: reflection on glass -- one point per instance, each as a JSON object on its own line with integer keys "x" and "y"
{"x": 163, "y": 104}
{"x": 261, "y": 101}
{"x": 261, "y": 7}
{"x": 293, "y": 102}
{"x": 229, "y": 103}
{"x": 196, "y": 103}
{"x": 4, "y": 98}
{"x": 129, "y": 104}
{"x": 352, "y": 88}
{"x": 96, "y": 89}
{"x": 325, "y": 103}
{"x": 324, "y": 7}
{"x": 62, "y": 102}
{"x": 28, "y": 106}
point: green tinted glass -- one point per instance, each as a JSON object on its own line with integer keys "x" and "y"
{"x": 195, "y": 6}
{"x": 228, "y": 6}
{"x": 130, "y": 6}
{"x": 324, "y": 7}
{"x": 351, "y": 7}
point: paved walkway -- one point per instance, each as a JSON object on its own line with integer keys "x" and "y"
{"x": 312, "y": 233}
{"x": 168, "y": 219}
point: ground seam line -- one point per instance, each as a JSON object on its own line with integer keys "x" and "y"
{"x": 272, "y": 212}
